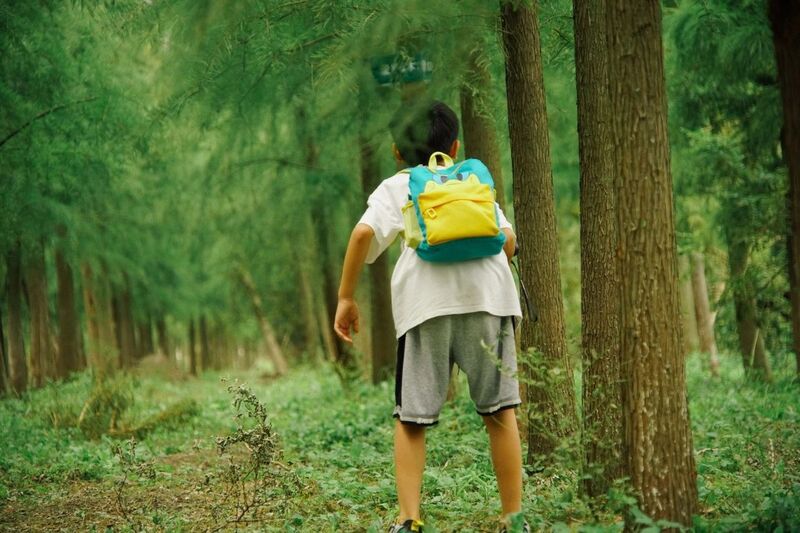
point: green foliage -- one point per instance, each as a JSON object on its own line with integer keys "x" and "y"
{"x": 332, "y": 465}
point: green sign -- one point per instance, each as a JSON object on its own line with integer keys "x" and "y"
{"x": 401, "y": 68}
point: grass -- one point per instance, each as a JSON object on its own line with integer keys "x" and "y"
{"x": 334, "y": 471}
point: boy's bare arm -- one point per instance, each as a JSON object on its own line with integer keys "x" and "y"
{"x": 347, "y": 310}
{"x": 510, "y": 244}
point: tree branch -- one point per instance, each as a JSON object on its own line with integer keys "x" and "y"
{"x": 42, "y": 115}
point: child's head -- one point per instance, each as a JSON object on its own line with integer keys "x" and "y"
{"x": 419, "y": 131}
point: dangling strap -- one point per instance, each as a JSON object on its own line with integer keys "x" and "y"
{"x": 532, "y": 313}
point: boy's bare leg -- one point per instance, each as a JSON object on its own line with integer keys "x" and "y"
{"x": 506, "y": 458}
{"x": 409, "y": 460}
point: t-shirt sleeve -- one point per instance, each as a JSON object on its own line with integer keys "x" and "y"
{"x": 385, "y": 217}
{"x": 501, "y": 217}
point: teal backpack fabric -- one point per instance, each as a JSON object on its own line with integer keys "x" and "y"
{"x": 455, "y": 211}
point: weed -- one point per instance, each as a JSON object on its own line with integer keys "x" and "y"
{"x": 249, "y": 481}
{"x": 131, "y": 466}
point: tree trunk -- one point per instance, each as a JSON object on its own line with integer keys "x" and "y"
{"x": 657, "y": 434}
{"x": 751, "y": 337}
{"x": 702, "y": 311}
{"x": 146, "y": 345}
{"x": 163, "y": 338}
{"x": 552, "y": 405}
{"x": 101, "y": 353}
{"x": 480, "y": 132}
{"x": 785, "y": 20}
{"x": 68, "y": 323}
{"x": 205, "y": 350}
{"x": 330, "y": 275}
{"x": 339, "y": 352}
{"x": 381, "y": 320}
{"x": 5, "y": 386}
{"x": 42, "y": 360}
{"x": 192, "y": 349}
{"x": 274, "y": 350}
{"x": 311, "y": 327}
{"x": 125, "y": 327}
{"x": 602, "y": 394}
{"x": 17, "y": 363}
{"x": 691, "y": 339}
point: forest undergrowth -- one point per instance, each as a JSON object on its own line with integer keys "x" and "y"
{"x": 306, "y": 454}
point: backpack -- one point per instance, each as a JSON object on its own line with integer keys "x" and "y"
{"x": 451, "y": 213}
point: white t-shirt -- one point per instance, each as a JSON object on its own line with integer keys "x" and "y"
{"x": 422, "y": 290}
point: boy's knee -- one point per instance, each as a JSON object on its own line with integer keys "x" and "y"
{"x": 410, "y": 428}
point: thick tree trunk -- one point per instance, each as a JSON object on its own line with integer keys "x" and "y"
{"x": 691, "y": 339}
{"x": 702, "y": 311}
{"x": 192, "y": 349}
{"x": 68, "y": 322}
{"x": 17, "y": 362}
{"x": 42, "y": 360}
{"x": 163, "y": 337}
{"x": 552, "y": 405}
{"x": 785, "y": 20}
{"x": 205, "y": 348}
{"x": 381, "y": 320}
{"x": 480, "y": 131}
{"x": 101, "y": 353}
{"x": 751, "y": 336}
{"x": 602, "y": 394}
{"x": 657, "y": 434}
{"x": 274, "y": 350}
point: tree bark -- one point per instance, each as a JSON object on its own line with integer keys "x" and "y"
{"x": 101, "y": 353}
{"x": 480, "y": 132}
{"x": 4, "y": 381}
{"x": 205, "y": 349}
{"x": 657, "y": 434}
{"x": 163, "y": 337}
{"x": 125, "y": 328}
{"x": 68, "y": 323}
{"x": 274, "y": 350}
{"x": 42, "y": 360}
{"x": 751, "y": 336}
{"x": 17, "y": 362}
{"x": 602, "y": 393}
{"x": 552, "y": 405}
{"x": 381, "y": 319}
{"x": 785, "y": 20}
{"x": 146, "y": 345}
{"x": 311, "y": 327}
{"x": 192, "y": 349}
{"x": 702, "y": 311}
{"x": 691, "y": 340}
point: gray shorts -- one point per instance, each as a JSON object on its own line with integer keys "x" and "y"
{"x": 482, "y": 345}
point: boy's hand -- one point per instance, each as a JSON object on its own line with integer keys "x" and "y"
{"x": 346, "y": 316}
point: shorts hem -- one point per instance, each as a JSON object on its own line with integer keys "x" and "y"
{"x": 415, "y": 420}
{"x": 502, "y": 406}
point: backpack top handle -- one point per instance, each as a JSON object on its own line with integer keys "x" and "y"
{"x": 432, "y": 166}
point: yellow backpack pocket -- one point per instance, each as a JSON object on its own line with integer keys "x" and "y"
{"x": 458, "y": 210}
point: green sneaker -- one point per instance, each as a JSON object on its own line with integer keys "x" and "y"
{"x": 408, "y": 525}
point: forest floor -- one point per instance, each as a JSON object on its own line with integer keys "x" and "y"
{"x": 326, "y": 460}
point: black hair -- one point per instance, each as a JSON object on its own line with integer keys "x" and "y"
{"x": 421, "y": 130}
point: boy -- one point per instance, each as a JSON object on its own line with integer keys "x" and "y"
{"x": 443, "y": 312}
